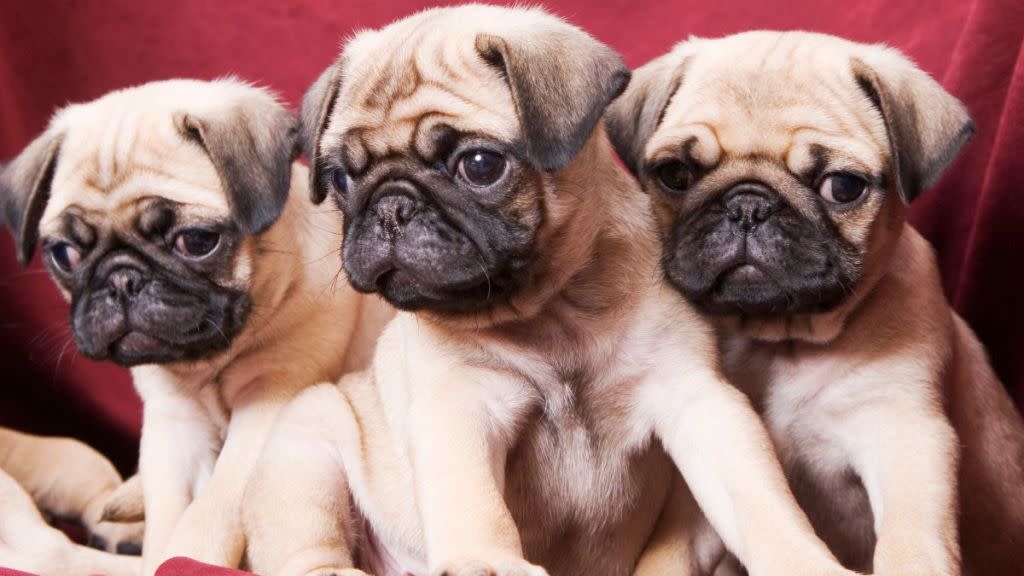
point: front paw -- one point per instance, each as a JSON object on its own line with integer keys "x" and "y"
{"x": 114, "y": 520}
{"x": 509, "y": 567}
{"x": 117, "y": 538}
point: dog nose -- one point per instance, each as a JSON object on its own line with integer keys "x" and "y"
{"x": 394, "y": 212}
{"x": 748, "y": 205}
{"x": 126, "y": 281}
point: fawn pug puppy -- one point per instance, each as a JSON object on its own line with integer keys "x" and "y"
{"x": 515, "y": 416}
{"x": 780, "y": 165}
{"x": 168, "y": 217}
{"x": 65, "y": 479}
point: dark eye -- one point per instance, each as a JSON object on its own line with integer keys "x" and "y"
{"x": 842, "y": 188}
{"x": 65, "y": 257}
{"x": 481, "y": 167}
{"x": 674, "y": 176}
{"x": 340, "y": 180}
{"x": 196, "y": 243}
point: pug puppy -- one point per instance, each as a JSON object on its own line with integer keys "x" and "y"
{"x": 65, "y": 479}
{"x": 519, "y": 409}
{"x": 167, "y": 215}
{"x": 780, "y": 166}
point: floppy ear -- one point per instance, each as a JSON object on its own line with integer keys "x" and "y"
{"x": 562, "y": 80}
{"x": 926, "y": 125}
{"x": 317, "y": 105}
{"x": 632, "y": 119}
{"x": 252, "y": 149}
{"x": 25, "y": 191}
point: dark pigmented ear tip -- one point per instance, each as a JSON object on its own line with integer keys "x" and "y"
{"x": 620, "y": 81}
{"x": 26, "y": 249}
{"x": 25, "y": 191}
{"x": 317, "y": 191}
{"x": 295, "y": 135}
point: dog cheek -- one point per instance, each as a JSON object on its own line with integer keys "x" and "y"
{"x": 439, "y": 254}
{"x": 366, "y": 255}
{"x": 96, "y": 322}
{"x": 698, "y": 251}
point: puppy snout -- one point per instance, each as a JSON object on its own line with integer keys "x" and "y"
{"x": 126, "y": 281}
{"x": 749, "y": 205}
{"x": 394, "y": 212}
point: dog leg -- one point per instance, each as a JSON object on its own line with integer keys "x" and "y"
{"x": 126, "y": 504}
{"x": 65, "y": 477}
{"x": 459, "y": 458}
{"x": 179, "y": 445}
{"x": 28, "y": 543}
{"x": 909, "y": 469}
{"x": 683, "y": 543}
{"x": 726, "y": 457}
{"x": 297, "y": 509}
{"x": 69, "y": 480}
{"x": 210, "y": 530}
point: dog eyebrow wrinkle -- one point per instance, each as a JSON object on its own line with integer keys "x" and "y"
{"x": 352, "y": 154}
{"x": 77, "y": 229}
{"x": 436, "y": 143}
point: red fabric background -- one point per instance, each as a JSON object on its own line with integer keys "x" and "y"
{"x": 53, "y": 52}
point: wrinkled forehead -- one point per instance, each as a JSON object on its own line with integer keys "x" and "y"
{"x": 404, "y": 81}
{"x": 763, "y": 96}
{"x": 111, "y": 159}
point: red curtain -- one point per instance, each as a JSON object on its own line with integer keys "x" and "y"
{"x": 53, "y": 52}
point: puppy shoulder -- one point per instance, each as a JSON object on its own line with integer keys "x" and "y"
{"x": 915, "y": 271}
{"x": 907, "y": 317}
{"x": 674, "y": 326}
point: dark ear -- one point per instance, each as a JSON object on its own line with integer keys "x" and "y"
{"x": 25, "y": 191}
{"x": 926, "y": 125}
{"x": 317, "y": 105}
{"x": 252, "y": 148}
{"x": 632, "y": 119}
{"x": 562, "y": 80}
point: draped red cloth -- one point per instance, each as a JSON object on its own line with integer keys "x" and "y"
{"x": 54, "y": 52}
{"x": 185, "y": 567}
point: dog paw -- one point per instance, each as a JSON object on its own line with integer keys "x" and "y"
{"x": 510, "y": 567}
{"x": 124, "y": 539}
{"x": 125, "y": 504}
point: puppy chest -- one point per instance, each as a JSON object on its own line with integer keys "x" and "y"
{"x": 576, "y": 468}
{"x": 810, "y": 408}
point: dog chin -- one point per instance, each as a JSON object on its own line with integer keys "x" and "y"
{"x": 136, "y": 347}
{"x": 404, "y": 292}
{"x": 749, "y": 290}
{"x": 139, "y": 347}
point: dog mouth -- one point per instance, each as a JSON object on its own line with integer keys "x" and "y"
{"x": 747, "y": 288}
{"x": 137, "y": 344}
{"x": 744, "y": 273}
{"x": 404, "y": 290}
{"x": 753, "y": 289}
{"x": 147, "y": 346}
{"x": 124, "y": 335}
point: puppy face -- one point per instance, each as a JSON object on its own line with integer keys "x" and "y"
{"x": 142, "y": 203}
{"x": 437, "y": 139}
{"x": 779, "y": 164}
